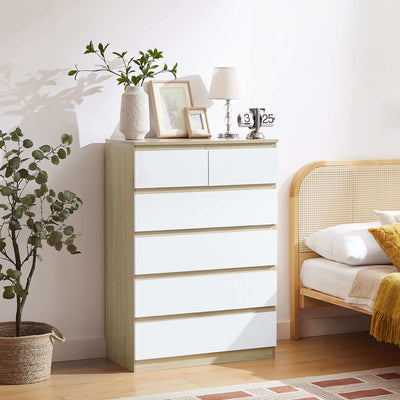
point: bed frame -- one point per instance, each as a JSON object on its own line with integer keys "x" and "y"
{"x": 329, "y": 193}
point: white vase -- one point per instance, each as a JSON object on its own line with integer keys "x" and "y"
{"x": 134, "y": 119}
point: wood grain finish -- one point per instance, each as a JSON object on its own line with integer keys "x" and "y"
{"x": 147, "y": 210}
{"x": 157, "y": 105}
{"x": 119, "y": 254}
{"x": 190, "y": 143}
{"x": 101, "y": 379}
{"x": 331, "y": 300}
{"x": 205, "y": 359}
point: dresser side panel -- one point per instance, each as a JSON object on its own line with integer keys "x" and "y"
{"x": 119, "y": 254}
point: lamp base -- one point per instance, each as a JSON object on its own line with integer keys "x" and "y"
{"x": 228, "y": 135}
{"x": 255, "y": 135}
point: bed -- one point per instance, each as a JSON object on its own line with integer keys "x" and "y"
{"x": 329, "y": 193}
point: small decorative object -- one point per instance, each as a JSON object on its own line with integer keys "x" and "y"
{"x": 169, "y": 98}
{"x": 196, "y": 122}
{"x": 134, "y": 121}
{"x": 224, "y": 87}
{"x": 254, "y": 119}
{"x": 134, "y": 118}
{"x": 33, "y": 216}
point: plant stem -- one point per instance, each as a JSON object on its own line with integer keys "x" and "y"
{"x": 28, "y": 255}
{"x": 7, "y": 257}
{"x": 29, "y": 279}
{"x": 16, "y": 251}
{"x": 18, "y": 315}
{"x": 19, "y": 300}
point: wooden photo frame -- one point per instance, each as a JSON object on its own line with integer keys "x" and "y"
{"x": 197, "y": 122}
{"x": 169, "y": 98}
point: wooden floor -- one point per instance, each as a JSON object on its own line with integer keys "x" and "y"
{"x": 101, "y": 379}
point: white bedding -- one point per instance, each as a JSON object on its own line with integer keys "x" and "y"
{"x": 329, "y": 277}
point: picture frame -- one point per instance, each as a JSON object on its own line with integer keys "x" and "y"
{"x": 169, "y": 98}
{"x": 197, "y": 122}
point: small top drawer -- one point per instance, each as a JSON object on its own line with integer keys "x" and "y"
{"x": 242, "y": 166}
{"x": 171, "y": 168}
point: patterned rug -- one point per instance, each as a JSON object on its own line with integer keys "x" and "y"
{"x": 376, "y": 384}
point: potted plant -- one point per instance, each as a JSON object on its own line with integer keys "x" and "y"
{"x": 33, "y": 215}
{"x": 134, "y": 117}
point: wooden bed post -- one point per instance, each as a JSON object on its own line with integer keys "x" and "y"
{"x": 295, "y": 297}
{"x": 294, "y": 261}
{"x": 294, "y": 248}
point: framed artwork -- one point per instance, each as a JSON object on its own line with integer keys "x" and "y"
{"x": 169, "y": 98}
{"x": 196, "y": 122}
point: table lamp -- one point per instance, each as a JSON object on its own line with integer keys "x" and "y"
{"x": 224, "y": 87}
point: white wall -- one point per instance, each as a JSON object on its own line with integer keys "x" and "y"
{"x": 328, "y": 70}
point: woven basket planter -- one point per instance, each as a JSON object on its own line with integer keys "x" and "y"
{"x": 26, "y": 359}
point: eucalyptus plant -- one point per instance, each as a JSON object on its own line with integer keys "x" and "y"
{"x": 33, "y": 214}
{"x": 134, "y": 71}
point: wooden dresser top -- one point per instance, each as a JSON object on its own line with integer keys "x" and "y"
{"x": 194, "y": 142}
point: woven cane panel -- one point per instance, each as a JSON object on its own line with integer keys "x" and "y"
{"x": 343, "y": 194}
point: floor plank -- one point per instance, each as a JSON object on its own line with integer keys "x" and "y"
{"x": 100, "y": 379}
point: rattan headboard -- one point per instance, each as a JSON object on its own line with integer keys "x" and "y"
{"x": 329, "y": 193}
{"x": 342, "y": 194}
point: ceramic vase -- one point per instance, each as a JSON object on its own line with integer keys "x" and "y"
{"x": 134, "y": 119}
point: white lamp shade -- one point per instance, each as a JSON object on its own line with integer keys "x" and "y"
{"x": 224, "y": 84}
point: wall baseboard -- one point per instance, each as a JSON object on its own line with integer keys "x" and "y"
{"x": 283, "y": 330}
{"x": 79, "y": 349}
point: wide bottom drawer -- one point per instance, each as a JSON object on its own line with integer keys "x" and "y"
{"x": 201, "y": 335}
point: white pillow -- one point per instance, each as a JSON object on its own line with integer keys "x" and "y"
{"x": 349, "y": 244}
{"x": 387, "y": 217}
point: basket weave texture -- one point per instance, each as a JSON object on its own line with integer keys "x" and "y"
{"x": 26, "y": 359}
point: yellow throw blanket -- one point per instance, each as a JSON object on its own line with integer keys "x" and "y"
{"x": 385, "y": 323}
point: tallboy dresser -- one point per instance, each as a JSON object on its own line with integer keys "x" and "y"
{"x": 190, "y": 251}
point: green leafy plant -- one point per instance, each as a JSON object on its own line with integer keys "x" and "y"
{"x": 33, "y": 214}
{"x": 134, "y": 71}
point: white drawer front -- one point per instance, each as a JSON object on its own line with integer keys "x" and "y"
{"x": 202, "y": 293}
{"x": 171, "y": 168}
{"x": 179, "y": 337}
{"x": 187, "y": 210}
{"x": 243, "y": 166}
{"x": 205, "y": 250}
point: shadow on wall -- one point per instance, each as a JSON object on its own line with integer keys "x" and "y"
{"x": 44, "y": 112}
{"x": 34, "y": 103}
{"x": 199, "y": 97}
